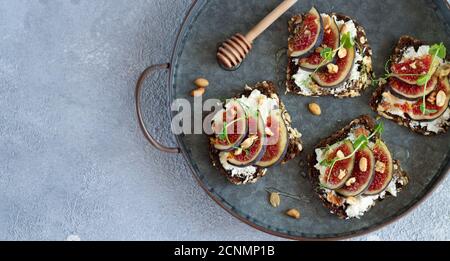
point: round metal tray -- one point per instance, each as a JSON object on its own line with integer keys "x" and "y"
{"x": 426, "y": 159}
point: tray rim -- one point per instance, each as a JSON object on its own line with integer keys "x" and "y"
{"x": 177, "y": 47}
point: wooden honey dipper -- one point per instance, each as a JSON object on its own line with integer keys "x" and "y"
{"x": 234, "y": 50}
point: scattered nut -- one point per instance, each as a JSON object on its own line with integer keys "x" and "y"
{"x": 342, "y": 174}
{"x": 198, "y": 92}
{"x": 432, "y": 98}
{"x": 269, "y": 132}
{"x": 201, "y": 82}
{"x": 350, "y": 182}
{"x": 334, "y": 199}
{"x": 326, "y": 21}
{"x": 319, "y": 49}
{"x": 441, "y": 98}
{"x": 342, "y": 53}
{"x": 332, "y": 68}
{"x": 238, "y": 152}
{"x": 275, "y": 199}
{"x": 313, "y": 86}
{"x": 351, "y": 200}
{"x": 247, "y": 143}
{"x": 413, "y": 65}
{"x": 314, "y": 108}
{"x": 367, "y": 60}
{"x": 380, "y": 167}
{"x": 344, "y": 29}
{"x": 363, "y": 164}
{"x": 362, "y": 40}
{"x": 294, "y": 213}
{"x": 444, "y": 70}
{"x": 307, "y": 32}
{"x": 340, "y": 154}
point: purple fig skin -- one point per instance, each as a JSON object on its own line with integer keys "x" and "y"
{"x": 337, "y": 35}
{"x": 419, "y": 94}
{"x": 349, "y": 169}
{"x": 339, "y": 82}
{"x": 365, "y": 186}
{"x": 431, "y": 117}
{"x": 390, "y": 175}
{"x": 262, "y": 149}
{"x": 318, "y": 40}
{"x": 280, "y": 157}
{"x": 230, "y": 147}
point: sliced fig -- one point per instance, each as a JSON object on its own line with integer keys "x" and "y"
{"x": 327, "y": 79}
{"x": 307, "y": 35}
{"x": 411, "y": 91}
{"x": 410, "y": 70}
{"x": 253, "y": 147}
{"x": 362, "y": 175}
{"x": 277, "y": 140}
{"x": 331, "y": 39}
{"x": 342, "y": 170}
{"x": 383, "y": 172}
{"x": 441, "y": 97}
{"x": 235, "y": 120}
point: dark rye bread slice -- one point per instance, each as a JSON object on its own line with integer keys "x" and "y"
{"x": 397, "y": 54}
{"x": 355, "y": 87}
{"x": 294, "y": 147}
{"x": 314, "y": 174}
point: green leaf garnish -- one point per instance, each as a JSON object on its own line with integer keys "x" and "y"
{"x": 326, "y": 162}
{"x": 224, "y": 133}
{"x": 347, "y": 41}
{"x": 425, "y": 111}
{"x": 361, "y": 142}
{"x": 327, "y": 54}
{"x": 386, "y": 66}
{"x": 424, "y": 79}
{"x": 438, "y": 50}
{"x": 379, "y": 128}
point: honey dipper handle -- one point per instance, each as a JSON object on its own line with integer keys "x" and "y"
{"x": 269, "y": 19}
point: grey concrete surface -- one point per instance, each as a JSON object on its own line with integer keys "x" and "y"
{"x": 73, "y": 164}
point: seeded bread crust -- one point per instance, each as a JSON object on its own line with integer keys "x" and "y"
{"x": 397, "y": 54}
{"x": 294, "y": 147}
{"x": 357, "y": 87}
{"x": 314, "y": 174}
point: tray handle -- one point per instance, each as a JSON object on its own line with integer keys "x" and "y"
{"x": 146, "y": 73}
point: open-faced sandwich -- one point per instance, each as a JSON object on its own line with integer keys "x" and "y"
{"x": 353, "y": 169}
{"x": 402, "y": 95}
{"x": 252, "y": 133}
{"x": 328, "y": 54}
